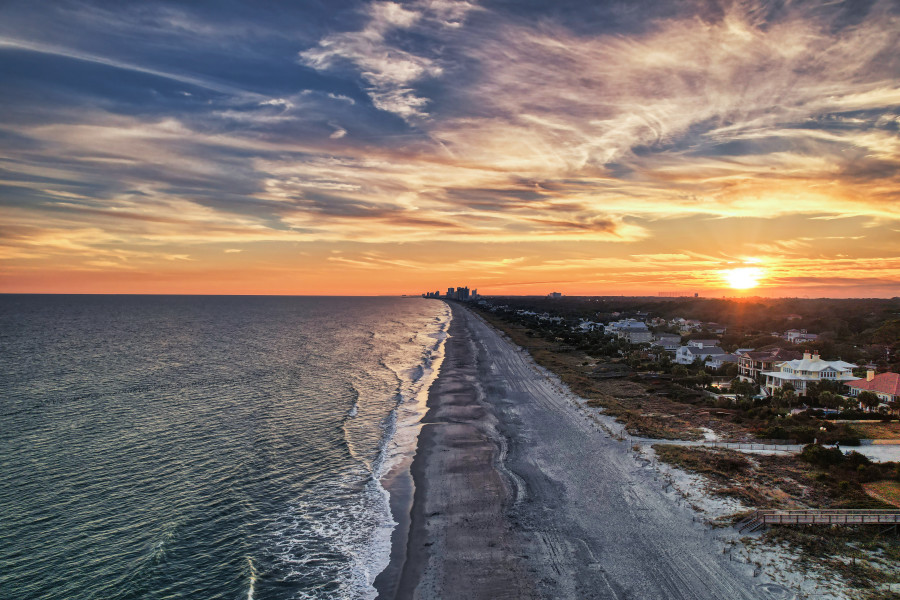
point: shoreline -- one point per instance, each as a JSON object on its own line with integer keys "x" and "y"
{"x": 398, "y": 480}
{"x": 456, "y": 532}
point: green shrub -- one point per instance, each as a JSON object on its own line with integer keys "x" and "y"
{"x": 856, "y": 460}
{"x": 820, "y": 456}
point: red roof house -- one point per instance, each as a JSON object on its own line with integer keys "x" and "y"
{"x": 885, "y": 385}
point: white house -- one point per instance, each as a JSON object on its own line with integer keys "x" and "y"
{"x": 717, "y": 360}
{"x": 688, "y": 354}
{"x": 798, "y": 336}
{"x": 703, "y": 343}
{"x": 636, "y": 335}
{"x": 589, "y": 326}
{"x": 616, "y": 326}
{"x": 806, "y": 370}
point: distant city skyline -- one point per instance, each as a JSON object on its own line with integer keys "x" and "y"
{"x": 373, "y": 148}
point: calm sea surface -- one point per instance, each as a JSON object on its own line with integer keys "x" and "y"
{"x": 204, "y": 447}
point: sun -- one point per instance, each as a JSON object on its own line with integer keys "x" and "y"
{"x": 743, "y": 278}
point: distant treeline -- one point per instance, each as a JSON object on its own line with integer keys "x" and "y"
{"x": 855, "y": 329}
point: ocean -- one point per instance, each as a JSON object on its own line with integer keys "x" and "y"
{"x": 205, "y": 447}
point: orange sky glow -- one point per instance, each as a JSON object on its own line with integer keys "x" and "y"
{"x": 422, "y": 145}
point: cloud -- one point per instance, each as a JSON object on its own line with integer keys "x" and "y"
{"x": 688, "y": 138}
{"x": 338, "y": 132}
{"x": 9, "y": 43}
{"x": 286, "y": 104}
{"x": 388, "y": 70}
{"x": 554, "y": 104}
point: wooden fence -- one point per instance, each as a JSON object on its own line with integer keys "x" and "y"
{"x": 761, "y": 518}
{"x": 777, "y": 445}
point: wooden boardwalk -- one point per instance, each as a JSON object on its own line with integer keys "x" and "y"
{"x": 761, "y": 518}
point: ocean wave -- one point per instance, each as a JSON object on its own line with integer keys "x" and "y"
{"x": 401, "y": 430}
{"x": 321, "y": 544}
{"x": 335, "y": 541}
{"x": 401, "y": 436}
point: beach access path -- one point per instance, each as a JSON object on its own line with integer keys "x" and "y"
{"x": 519, "y": 495}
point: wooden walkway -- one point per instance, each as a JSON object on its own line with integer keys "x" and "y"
{"x": 761, "y": 518}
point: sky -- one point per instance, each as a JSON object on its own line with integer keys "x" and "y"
{"x": 514, "y": 146}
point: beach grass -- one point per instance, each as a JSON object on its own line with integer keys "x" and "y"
{"x": 642, "y": 412}
{"x": 885, "y": 491}
{"x": 865, "y": 558}
{"x": 878, "y": 431}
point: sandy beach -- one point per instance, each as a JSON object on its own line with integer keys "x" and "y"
{"x": 518, "y": 494}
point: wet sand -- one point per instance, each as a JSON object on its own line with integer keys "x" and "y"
{"x": 519, "y": 495}
{"x": 460, "y": 542}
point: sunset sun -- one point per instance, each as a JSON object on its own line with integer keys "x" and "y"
{"x": 743, "y": 278}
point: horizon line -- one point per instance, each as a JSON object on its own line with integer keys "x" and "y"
{"x": 419, "y": 295}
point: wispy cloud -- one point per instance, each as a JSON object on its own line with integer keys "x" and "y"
{"x": 388, "y": 70}
{"x": 9, "y": 43}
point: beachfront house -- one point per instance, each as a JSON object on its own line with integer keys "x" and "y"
{"x": 617, "y": 326}
{"x": 586, "y": 326}
{"x": 636, "y": 332}
{"x": 715, "y": 328}
{"x": 669, "y": 342}
{"x": 688, "y": 354}
{"x": 753, "y": 364}
{"x": 550, "y": 318}
{"x": 884, "y": 385}
{"x": 689, "y": 325}
{"x": 718, "y": 360}
{"x": 809, "y": 369}
{"x": 703, "y": 343}
{"x": 636, "y": 335}
{"x": 798, "y": 336}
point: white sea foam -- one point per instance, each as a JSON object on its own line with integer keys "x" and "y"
{"x": 399, "y": 442}
{"x": 336, "y": 518}
{"x": 252, "y": 578}
{"x": 335, "y": 521}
